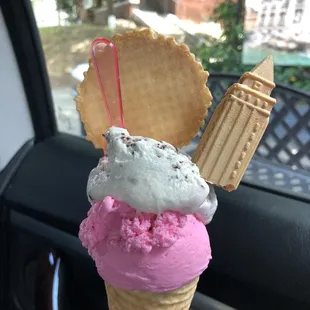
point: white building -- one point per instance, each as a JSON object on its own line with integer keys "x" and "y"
{"x": 285, "y": 23}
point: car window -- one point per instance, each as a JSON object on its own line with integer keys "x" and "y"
{"x": 228, "y": 37}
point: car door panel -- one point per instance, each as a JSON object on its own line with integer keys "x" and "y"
{"x": 258, "y": 237}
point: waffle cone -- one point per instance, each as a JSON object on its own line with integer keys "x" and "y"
{"x": 179, "y": 299}
{"x": 163, "y": 88}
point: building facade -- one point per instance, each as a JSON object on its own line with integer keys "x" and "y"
{"x": 280, "y": 15}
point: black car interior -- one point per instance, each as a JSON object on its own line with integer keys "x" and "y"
{"x": 260, "y": 237}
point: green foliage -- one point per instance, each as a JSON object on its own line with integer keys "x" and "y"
{"x": 297, "y": 77}
{"x": 227, "y": 15}
{"x": 225, "y": 54}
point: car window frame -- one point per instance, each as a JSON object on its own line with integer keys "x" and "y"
{"x": 21, "y": 25}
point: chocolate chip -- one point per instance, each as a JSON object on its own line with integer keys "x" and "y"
{"x": 135, "y": 147}
{"x": 161, "y": 146}
{"x": 133, "y": 180}
{"x": 106, "y": 136}
{"x": 132, "y": 153}
{"x": 186, "y": 177}
{"x": 122, "y": 134}
{"x": 90, "y": 197}
{"x": 176, "y": 166}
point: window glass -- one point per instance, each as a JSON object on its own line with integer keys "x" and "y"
{"x": 228, "y": 37}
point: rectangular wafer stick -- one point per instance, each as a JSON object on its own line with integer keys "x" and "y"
{"x": 236, "y": 127}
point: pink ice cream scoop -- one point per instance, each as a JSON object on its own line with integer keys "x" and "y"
{"x": 144, "y": 251}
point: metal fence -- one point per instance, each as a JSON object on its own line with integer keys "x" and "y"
{"x": 282, "y": 159}
{"x": 287, "y": 137}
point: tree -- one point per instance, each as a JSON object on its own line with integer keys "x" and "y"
{"x": 225, "y": 54}
{"x": 71, "y": 7}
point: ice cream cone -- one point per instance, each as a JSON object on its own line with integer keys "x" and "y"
{"x": 179, "y": 299}
{"x": 149, "y": 241}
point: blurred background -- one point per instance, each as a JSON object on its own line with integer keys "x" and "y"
{"x": 280, "y": 28}
{"x": 227, "y": 36}
{"x": 67, "y": 27}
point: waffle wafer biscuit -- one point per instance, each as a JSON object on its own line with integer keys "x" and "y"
{"x": 179, "y": 299}
{"x": 163, "y": 90}
{"x": 237, "y": 126}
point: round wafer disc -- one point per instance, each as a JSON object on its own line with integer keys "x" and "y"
{"x": 164, "y": 91}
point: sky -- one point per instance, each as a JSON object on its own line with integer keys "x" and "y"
{"x": 254, "y": 4}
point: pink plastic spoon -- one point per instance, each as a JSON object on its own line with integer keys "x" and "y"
{"x": 105, "y": 60}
